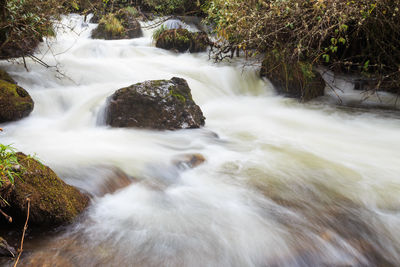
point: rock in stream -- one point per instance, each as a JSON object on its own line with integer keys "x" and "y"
{"x": 159, "y": 104}
{"x": 52, "y": 202}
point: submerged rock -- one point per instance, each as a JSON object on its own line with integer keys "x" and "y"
{"x": 98, "y": 180}
{"x": 116, "y": 180}
{"x": 121, "y": 25}
{"x": 15, "y": 102}
{"x": 49, "y": 259}
{"x": 182, "y": 40}
{"x": 188, "y": 161}
{"x": 298, "y": 80}
{"x": 160, "y": 104}
{"x": 52, "y": 202}
{"x": 70, "y": 250}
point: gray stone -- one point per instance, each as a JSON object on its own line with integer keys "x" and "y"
{"x": 159, "y": 104}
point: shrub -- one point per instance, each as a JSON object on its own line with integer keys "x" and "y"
{"x": 132, "y": 11}
{"x": 8, "y": 164}
{"x": 113, "y": 25}
{"x": 167, "y": 7}
{"x": 158, "y": 32}
{"x": 119, "y": 25}
{"x": 350, "y": 36}
{"x": 23, "y": 23}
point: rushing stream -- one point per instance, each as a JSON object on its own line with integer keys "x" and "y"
{"x": 283, "y": 184}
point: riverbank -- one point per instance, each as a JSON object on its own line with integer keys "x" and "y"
{"x": 269, "y": 161}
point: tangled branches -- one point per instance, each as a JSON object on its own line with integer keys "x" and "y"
{"x": 23, "y": 23}
{"x": 348, "y": 36}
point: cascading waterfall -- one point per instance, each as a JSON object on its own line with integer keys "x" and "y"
{"x": 284, "y": 184}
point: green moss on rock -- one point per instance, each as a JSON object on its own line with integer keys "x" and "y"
{"x": 177, "y": 95}
{"x": 53, "y": 202}
{"x": 109, "y": 28}
{"x": 159, "y": 104}
{"x": 176, "y": 39}
{"x": 182, "y": 40}
{"x": 119, "y": 25}
{"x": 15, "y": 102}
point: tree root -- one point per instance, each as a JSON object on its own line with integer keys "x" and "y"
{"x": 8, "y": 218}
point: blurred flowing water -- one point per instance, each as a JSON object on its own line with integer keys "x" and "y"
{"x": 284, "y": 184}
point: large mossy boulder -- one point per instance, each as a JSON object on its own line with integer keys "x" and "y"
{"x": 52, "y": 202}
{"x": 181, "y": 40}
{"x": 120, "y": 25}
{"x": 295, "y": 79}
{"x": 15, "y": 102}
{"x": 159, "y": 104}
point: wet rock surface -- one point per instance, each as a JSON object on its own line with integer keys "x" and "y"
{"x": 188, "y": 161}
{"x": 98, "y": 179}
{"x": 160, "y": 104}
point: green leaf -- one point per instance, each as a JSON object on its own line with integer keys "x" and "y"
{"x": 326, "y": 57}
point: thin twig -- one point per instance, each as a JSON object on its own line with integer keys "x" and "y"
{"x": 334, "y": 91}
{"x": 25, "y": 66}
{"x": 23, "y": 233}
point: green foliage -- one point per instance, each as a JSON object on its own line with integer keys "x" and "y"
{"x": 74, "y": 5}
{"x": 24, "y": 22}
{"x": 351, "y": 36}
{"x": 294, "y": 79}
{"x": 158, "y": 32}
{"x": 132, "y": 11}
{"x": 307, "y": 70}
{"x": 113, "y": 25}
{"x": 8, "y": 164}
{"x": 167, "y": 7}
{"x": 29, "y": 15}
{"x": 119, "y": 25}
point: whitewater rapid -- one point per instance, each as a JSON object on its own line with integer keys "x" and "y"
{"x": 284, "y": 183}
